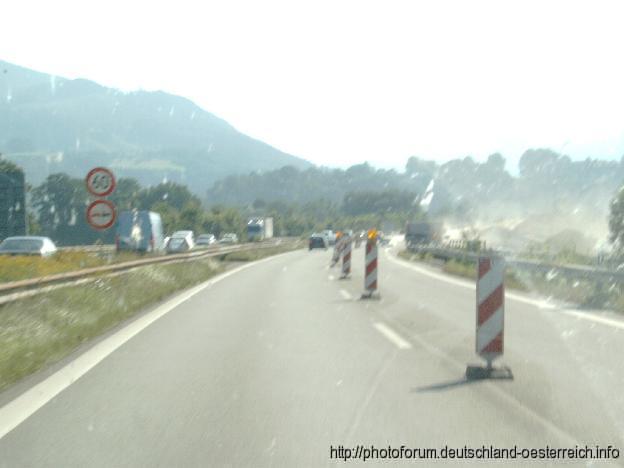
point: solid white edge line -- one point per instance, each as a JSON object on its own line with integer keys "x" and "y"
{"x": 516, "y": 297}
{"x": 21, "y": 408}
{"x": 393, "y": 336}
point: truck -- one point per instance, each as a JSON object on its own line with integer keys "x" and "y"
{"x": 259, "y": 229}
{"x": 422, "y": 232}
{"x": 329, "y": 236}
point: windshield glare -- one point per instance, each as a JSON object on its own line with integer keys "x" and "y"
{"x": 311, "y": 234}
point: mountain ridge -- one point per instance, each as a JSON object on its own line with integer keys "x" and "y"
{"x": 53, "y": 124}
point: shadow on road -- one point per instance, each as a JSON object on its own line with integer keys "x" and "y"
{"x": 445, "y": 385}
{"x": 474, "y": 374}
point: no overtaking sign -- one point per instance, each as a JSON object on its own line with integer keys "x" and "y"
{"x": 100, "y": 213}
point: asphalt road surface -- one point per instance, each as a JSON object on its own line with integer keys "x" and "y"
{"x": 277, "y": 363}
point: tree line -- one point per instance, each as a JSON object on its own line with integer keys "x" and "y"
{"x": 357, "y": 198}
{"x": 57, "y": 207}
{"x": 546, "y": 183}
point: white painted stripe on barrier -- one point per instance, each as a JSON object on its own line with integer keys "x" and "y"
{"x": 371, "y": 259}
{"x": 490, "y": 281}
{"x": 370, "y": 279}
{"x": 490, "y": 329}
{"x": 346, "y": 258}
{"x": 372, "y": 255}
{"x": 21, "y": 408}
{"x": 392, "y": 335}
{"x": 490, "y": 343}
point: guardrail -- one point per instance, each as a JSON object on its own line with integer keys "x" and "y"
{"x": 35, "y": 283}
{"x": 88, "y": 248}
{"x": 569, "y": 271}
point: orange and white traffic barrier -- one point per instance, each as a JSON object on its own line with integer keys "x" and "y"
{"x": 490, "y": 308}
{"x": 370, "y": 264}
{"x": 346, "y": 257}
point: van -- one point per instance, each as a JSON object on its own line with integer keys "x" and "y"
{"x": 139, "y": 231}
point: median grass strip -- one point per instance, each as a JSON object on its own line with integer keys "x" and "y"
{"x": 14, "y": 268}
{"x": 38, "y": 331}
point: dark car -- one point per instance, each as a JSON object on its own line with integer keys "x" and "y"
{"x": 317, "y": 241}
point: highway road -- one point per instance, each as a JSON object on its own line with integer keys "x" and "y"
{"x": 274, "y": 364}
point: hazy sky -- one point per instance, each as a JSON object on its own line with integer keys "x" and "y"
{"x": 340, "y": 82}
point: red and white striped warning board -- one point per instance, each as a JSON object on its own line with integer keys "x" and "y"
{"x": 346, "y": 257}
{"x": 338, "y": 246}
{"x": 490, "y": 307}
{"x": 370, "y": 264}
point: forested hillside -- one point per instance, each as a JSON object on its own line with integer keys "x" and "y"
{"x": 50, "y": 124}
{"x": 550, "y": 192}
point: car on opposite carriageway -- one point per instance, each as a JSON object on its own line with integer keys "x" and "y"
{"x": 28, "y": 245}
{"x": 229, "y": 238}
{"x": 205, "y": 240}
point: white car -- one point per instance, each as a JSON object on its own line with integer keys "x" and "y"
{"x": 181, "y": 241}
{"x": 28, "y": 245}
{"x": 206, "y": 239}
{"x": 229, "y": 238}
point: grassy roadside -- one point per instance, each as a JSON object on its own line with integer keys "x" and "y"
{"x": 25, "y": 267}
{"x": 463, "y": 268}
{"x": 586, "y": 293}
{"x": 40, "y": 330}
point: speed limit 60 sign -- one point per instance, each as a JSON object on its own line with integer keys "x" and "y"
{"x": 100, "y": 213}
{"x": 100, "y": 182}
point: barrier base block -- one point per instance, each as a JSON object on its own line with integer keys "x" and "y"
{"x": 370, "y": 295}
{"x": 488, "y": 372}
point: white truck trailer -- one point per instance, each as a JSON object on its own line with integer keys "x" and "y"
{"x": 259, "y": 229}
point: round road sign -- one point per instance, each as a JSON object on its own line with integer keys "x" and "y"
{"x": 100, "y": 182}
{"x": 101, "y": 214}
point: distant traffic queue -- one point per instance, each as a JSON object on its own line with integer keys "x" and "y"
{"x": 142, "y": 231}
